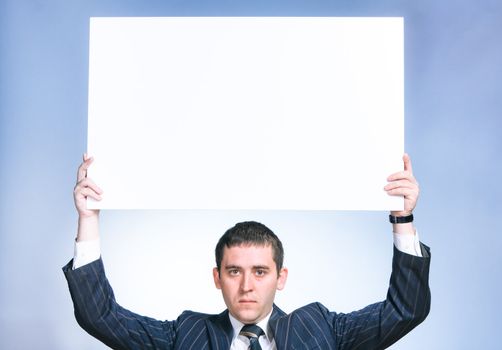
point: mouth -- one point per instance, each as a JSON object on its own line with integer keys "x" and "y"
{"x": 247, "y": 301}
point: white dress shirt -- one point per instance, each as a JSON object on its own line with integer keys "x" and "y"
{"x": 241, "y": 342}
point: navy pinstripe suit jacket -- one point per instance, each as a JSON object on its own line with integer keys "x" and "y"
{"x": 376, "y": 326}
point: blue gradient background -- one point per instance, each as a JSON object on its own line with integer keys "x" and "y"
{"x": 453, "y": 74}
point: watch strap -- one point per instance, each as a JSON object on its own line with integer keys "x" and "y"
{"x": 400, "y": 219}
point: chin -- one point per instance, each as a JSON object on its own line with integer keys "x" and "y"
{"x": 248, "y": 320}
{"x": 247, "y": 316}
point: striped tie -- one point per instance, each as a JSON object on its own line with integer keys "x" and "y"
{"x": 253, "y": 332}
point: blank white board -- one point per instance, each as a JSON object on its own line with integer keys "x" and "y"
{"x": 301, "y": 113}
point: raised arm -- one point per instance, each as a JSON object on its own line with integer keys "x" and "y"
{"x": 407, "y": 304}
{"x": 96, "y": 310}
{"x": 379, "y": 325}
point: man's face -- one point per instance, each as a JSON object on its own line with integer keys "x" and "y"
{"x": 248, "y": 281}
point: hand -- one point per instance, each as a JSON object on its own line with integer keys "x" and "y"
{"x": 84, "y": 188}
{"x": 404, "y": 184}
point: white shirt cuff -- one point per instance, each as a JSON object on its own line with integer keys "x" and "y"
{"x": 408, "y": 243}
{"x": 86, "y": 252}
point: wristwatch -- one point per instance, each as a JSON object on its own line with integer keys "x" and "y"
{"x": 400, "y": 219}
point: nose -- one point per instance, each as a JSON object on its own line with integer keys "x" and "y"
{"x": 247, "y": 282}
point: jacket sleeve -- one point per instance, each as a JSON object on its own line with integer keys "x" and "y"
{"x": 408, "y": 301}
{"x": 98, "y": 313}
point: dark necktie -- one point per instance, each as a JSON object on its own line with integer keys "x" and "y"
{"x": 253, "y": 332}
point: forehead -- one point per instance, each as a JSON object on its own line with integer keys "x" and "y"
{"x": 248, "y": 254}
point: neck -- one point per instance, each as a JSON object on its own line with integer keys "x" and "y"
{"x": 263, "y": 323}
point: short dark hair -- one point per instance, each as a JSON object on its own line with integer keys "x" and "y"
{"x": 250, "y": 233}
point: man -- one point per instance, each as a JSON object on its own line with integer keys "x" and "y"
{"x": 249, "y": 270}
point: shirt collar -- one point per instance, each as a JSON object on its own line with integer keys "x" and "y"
{"x": 263, "y": 324}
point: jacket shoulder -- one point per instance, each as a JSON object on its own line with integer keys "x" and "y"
{"x": 189, "y": 317}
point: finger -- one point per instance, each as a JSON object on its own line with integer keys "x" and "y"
{"x": 405, "y": 192}
{"x": 402, "y": 175}
{"x": 401, "y": 183}
{"x": 88, "y": 183}
{"x": 82, "y": 169}
{"x": 407, "y": 163}
{"x": 88, "y": 192}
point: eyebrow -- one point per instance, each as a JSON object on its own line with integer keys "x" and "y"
{"x": 255, "y": 267}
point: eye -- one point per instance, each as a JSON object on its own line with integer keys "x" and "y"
{"x": 260, "y": 272}
{"x": 233, "y": 272}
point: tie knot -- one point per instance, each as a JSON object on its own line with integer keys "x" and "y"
{"x": 252, "y": 331}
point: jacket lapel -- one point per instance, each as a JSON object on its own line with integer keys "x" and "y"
{"x": 276, "y": 313}
{"x": 273, "y": 325}
{"x": 220, "y": 331}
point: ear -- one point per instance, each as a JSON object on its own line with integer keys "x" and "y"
{"x": 216, "y": 277}
{"x": 281, "y": 280}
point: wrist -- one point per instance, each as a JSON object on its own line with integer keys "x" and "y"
{"x": 404, "y": 228}
{"x": 401, "y": 213}
{"x": 88, "y": 227}
{"x": 402, "y": 223}
{"x": 84, "y": 213}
